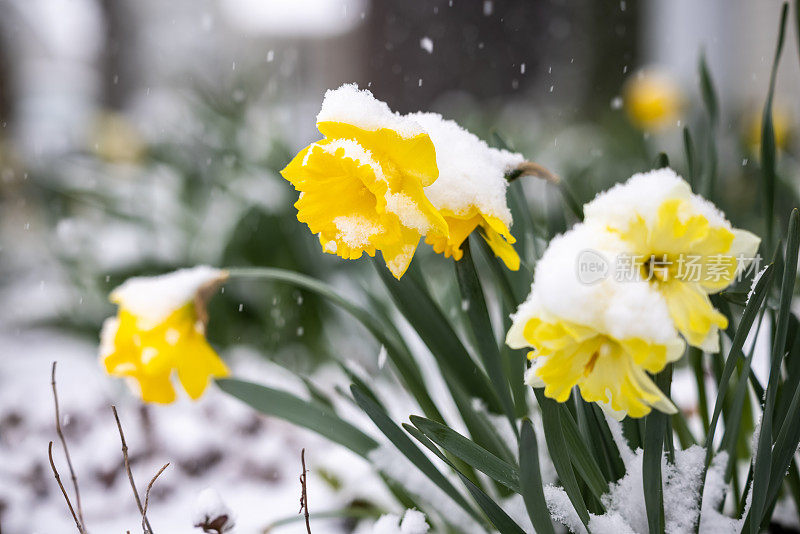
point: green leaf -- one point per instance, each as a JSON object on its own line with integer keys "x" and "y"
{"x": 480, "y": 428}
{"x": 437, "y": 333}
{"x": 559, "y": 453}
{"x": 600, "y": 433}
{"x": 768, "y": 138}
{"x": 764, "y": 453}
{"x": 734, "y": 420}
{"x": 655, "y": 430}
{"x": 688, "y": 146}
{"x": 401, "y": 359}
{"x": 786, "y": 445}
{"x": 569, "y": 199}
{"x": 312, "y": 416}
{"x": 352, "y": 512}
{"x": 761, "y": 466}
{"x": 695, "y": 357}
{"x": 317, "y": 395}
{"x": 531, "y": 481}
{"x": 685, "y": 436}
{"x": 582, "y": 458}
{"x": 407, "y": 447}
{"x": 499, "y": 519}
{"x": 355, "y": 379}
{"x": 483, "y": 333}
{"x": 468, "y": 451}
{"x": 709, "y": 176}
{"x": 745, "y": 324}
{"x": 497, "y": 516}
{"x": 662, "y": 160}
{"x": 707, "y": 90}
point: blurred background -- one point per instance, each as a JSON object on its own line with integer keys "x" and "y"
{"x": 137, "y": 137}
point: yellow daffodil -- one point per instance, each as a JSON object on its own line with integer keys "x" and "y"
{"x": 653, "y": 100}
{"x": 160, "y": 331}
{"x": 361, "y": 188}
{"x": 492, "y": 229}
{"x": 471, "y": 189}
{"x": 601, "y": 335}
{"x": 115, "y": 139}
{"x": 781, "y": 126}
{"x": 678, "y": 242}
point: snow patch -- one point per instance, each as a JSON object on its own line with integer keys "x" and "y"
{"x": 210, "y": 510}
{"x": 355, "y": 230}
{"x": 351, "y": 149}
{"x": 396, "y": 466}
{"x": 412, "y": 522}
{"x": 682, "y": 486}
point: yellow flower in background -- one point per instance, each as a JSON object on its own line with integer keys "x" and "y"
{"x": 678, "y": 242}
{"x": 653, "y": 100}
{"x": 160, "y": 331}
{"x": 601, "y": 335}
{"x": 361, "y": 188}
{"x": 471, "y": 190}
{"x": 115, "y": 139}
{"x": 781, "y": 125}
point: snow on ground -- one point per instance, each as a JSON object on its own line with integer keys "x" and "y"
{"x": 252, "y": 462}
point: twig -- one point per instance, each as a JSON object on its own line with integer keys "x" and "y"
{"x": 147, "y": 495}
{"x": 304, "y": 490}
{"x": 64, "y": 491}
{"x": 147, "y": 528}
{"x": 66, "y": 450}
{"x": 529, "y": 168}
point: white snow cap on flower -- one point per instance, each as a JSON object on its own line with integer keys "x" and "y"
{"x": 359, "y": 107}
{"x": 620, "y": 308}
{"x": 413, "y": 522}
{"x": 471, "y": 173}
{"x": 211, "y": 514}
{"x": 643, "y": 194}
{"x": 154, "y": 298}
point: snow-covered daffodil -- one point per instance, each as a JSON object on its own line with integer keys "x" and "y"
{"x": 470, "y": 192}
{"x": 604, "y": 336}
{"x": 653, "y": 100}
{"x": 361, "y": 187}
{"x": 160, "y": 331}
{"x": 679, "y": 243}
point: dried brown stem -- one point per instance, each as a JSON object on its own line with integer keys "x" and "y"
{"x": 147, "y": 496}
{"x": 304, "y": 491}
{"x": 60, "y": 433}
{"x": 78, "y": 523}
{"x": 146, "y": 527}
{"x": 529, "y": 168}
